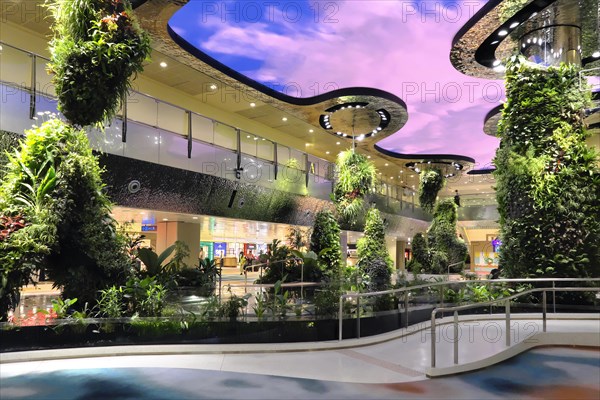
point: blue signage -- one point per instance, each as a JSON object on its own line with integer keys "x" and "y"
{"x": 220, "y": 249}
{"x": 148, "y": 228}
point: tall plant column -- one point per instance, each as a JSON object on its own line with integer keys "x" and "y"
{"x": 548, "y": 184}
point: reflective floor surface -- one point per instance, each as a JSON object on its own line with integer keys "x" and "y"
{"x": 545, "y": 373}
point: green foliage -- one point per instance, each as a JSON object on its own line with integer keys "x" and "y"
{"x": 98, "y": 45}
{"x": 325, "y": 242}
{"x": 8, "y": 142}
{"x": 260, "y": 304}
{"x": 204, "y": 276}
{"x": 297, "y": 237}
{"x": 62, "y": 307}
{"x": 373, "y": 256}
{"x": 145, "y": 298}
{"x": 110, "y": 302}
{"x": 431, "y": 182}
{"x": 356, "y": 177}
{"x": 441, "y": 247}
{"x": 234, "y": 306}
{"x": 155, "y": 263}
{"x": 53, "y": 181}
{"x": 281, "y": 262}
{"x": 280, "y": 304}
{"x": 421, "y": 255}
{"x": 547, "y": 178}
{"x": 327, "y": 300}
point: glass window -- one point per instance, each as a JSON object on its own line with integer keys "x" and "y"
{"x": 143, "y": 142}
{"x": 225, "y": 136}
{"x": 202, "y": 128}
{"x": 173, "y": 150}
{"x": 265, "y": 149}
{"x": 248, "y": 143}
{"x": 142, "y": 109}
{"x": 16, "y": 67}
{"x": 172, "y": 119}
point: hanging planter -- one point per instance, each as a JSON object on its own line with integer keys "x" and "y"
{"x": 355, "y": 178}
{"x": 432, "y": 181}
{"x": 97, "y": 47}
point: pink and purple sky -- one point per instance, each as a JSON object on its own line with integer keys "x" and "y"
{"x": 305, "y": 48}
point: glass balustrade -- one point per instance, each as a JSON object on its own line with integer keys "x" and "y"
{"x": 157, "y": 132}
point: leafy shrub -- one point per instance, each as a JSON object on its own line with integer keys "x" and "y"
{"x": 441, "y": 247}
{"x": 431, "y": 182}
{"x": 355, "y": 178}
{"x": 325, "y": 242}
{"x": 327, "y": 300}
{"x": 373, "y": 256}
{"x": 110, "y": 302}
{"x": 53, "y": 181}
{"x": 97, "y": 46}
{"x": 145, "y": 297}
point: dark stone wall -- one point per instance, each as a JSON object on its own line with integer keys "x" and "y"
{"x": 176, "y": 190}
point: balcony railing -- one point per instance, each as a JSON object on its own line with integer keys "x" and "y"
{"x": 157, "y": 131}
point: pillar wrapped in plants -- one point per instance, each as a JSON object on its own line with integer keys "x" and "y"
{"x": 441, "y": 246}
{"x": 55, "y": 216}
{"x": 325, "y": 242}
{"x": 97, "y": 46}
{"x": 373, "y": 256}
{"x": 547, "y": 177}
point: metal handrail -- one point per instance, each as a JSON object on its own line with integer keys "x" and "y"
{"x": 407, "y": 289}
{"x": 135, "y": 92}
{"x": 32, "y": 54}
{"x": 506, "y": 301}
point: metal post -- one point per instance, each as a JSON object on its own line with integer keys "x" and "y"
{"x": 544, "y": 311}
{"x": 507, "y": 309}
{"x": 238, "y": 164}
{"x": 455, "y": 337}
{"x": 189, "y": 138}
{"x": 220, "y": 277}
{"x": 340, "y": 316}
{"x": 33, "y": 87}
{"x": 358, "y": 317}
{"x": 302, "y": 281}
{"x": 307, "y": 166}
{"x": 406, "y": 307}
{"x": 275, "y": 164}
{"x": 124, "y": 119}
{"x": 433, "y": 340}
{"x": 553, "y": 298}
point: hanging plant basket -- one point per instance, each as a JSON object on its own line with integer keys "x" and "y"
{"x": 355, "y": 178}
{"x": 97, "y": 47}
{"x": 432, "y": 181}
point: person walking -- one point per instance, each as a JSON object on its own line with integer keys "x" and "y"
{"x": 456, "y": 198}
{"x": 242, "y": 263}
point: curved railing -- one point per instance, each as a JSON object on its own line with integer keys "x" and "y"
{"x": 404, "y": 293}
{"x": 506, "y": 301}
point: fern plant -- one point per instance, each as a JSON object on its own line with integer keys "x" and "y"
{"x": 98, "y": 45}
{"x": 431, "y": 182}
{"x": 355, "y": 177}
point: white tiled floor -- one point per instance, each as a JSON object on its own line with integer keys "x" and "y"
{"x": 401, "y": 359}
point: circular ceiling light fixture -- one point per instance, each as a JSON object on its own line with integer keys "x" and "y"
{"x": 448, "y": 168}
{"x": 348, "y": 116}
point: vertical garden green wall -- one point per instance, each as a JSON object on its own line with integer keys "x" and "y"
{"x": 547, "y": 178}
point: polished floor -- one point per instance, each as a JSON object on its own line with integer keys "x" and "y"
{"x": 381, "y": 367}
{"x": 547, "y": 373}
